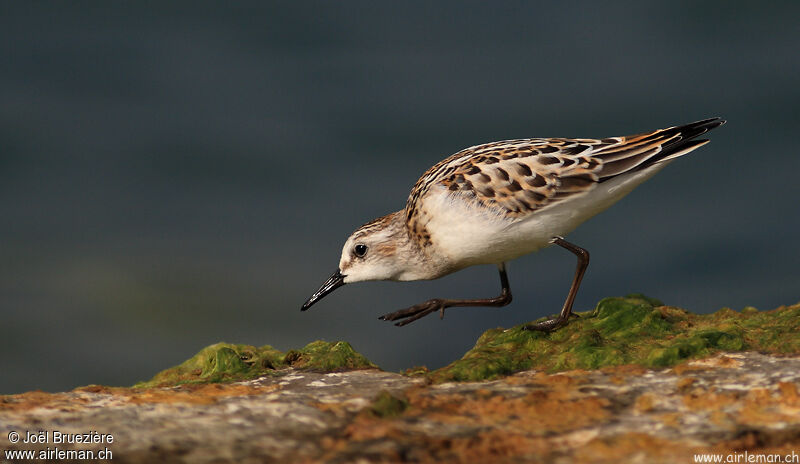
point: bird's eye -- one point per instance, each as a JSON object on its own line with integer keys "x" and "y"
{"x": 360, "y": 250}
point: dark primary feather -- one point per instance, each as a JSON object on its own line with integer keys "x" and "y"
{"x": 643, "y": 150}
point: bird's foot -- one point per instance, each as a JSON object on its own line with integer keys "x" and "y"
{"x": 415, "y": 312}
{"x": 548, "y": 325}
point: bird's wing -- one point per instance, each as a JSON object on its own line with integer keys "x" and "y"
{"x": 518, "y": 177}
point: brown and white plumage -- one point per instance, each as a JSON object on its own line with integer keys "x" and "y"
{"x": 515, "y": 195}
{"x": 519, "y": 177}
{"x": 494, "y": 202}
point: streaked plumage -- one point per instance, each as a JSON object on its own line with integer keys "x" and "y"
{"x": 494, "y": 202}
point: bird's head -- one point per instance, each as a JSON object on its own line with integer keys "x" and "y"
{"x": 377, "y": 250}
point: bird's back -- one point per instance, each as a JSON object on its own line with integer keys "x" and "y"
{"x": 504, "y": 199}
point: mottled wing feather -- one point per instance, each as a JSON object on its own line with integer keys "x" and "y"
{"x": 517, "y": 177}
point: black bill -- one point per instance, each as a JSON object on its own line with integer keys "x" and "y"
{"x": 334, "y": 282}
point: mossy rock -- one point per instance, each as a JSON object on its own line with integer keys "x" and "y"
{"x": 226, "y": 362}
{"x": 327, "y": 357}
{"x": 629, "y": 330}
{"x": 623, "y": 330}
{"x": 387, "y": 405}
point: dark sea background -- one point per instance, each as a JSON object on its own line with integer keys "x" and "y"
{"x": 174, "y": 175}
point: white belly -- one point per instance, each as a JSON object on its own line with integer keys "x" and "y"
{"x": 466, "y": 235}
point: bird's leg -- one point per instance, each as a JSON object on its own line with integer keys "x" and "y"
{"x": 566, "y": 311}
{"x": 420, "y": 310}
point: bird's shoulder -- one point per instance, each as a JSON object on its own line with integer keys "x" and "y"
{"x": 516, "y": 177}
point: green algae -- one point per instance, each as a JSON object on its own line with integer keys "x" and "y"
{"x": 226, "y": 362}
{"x": 621, "y": 330}
{"x": 627, "y": 330}
{"x": 328, "y": 357}
{"x": 387, "y": 405}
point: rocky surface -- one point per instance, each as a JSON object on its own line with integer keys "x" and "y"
{"x": 723, "y": 404}
{"x": 596, "y": 391}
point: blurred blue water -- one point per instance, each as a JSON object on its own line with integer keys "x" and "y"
{"x": 174, "y": 176}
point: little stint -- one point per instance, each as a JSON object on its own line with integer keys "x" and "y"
{"x": 491, "y": 203}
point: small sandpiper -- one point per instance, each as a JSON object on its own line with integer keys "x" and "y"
{"x": 491, "y": 203}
